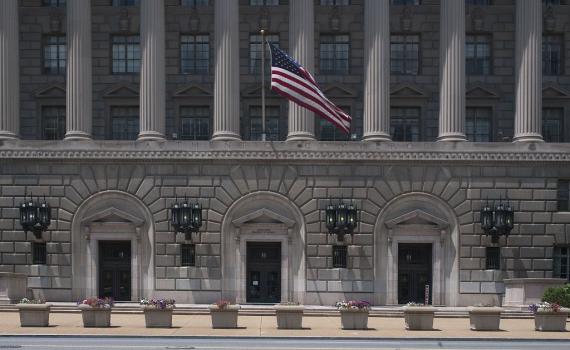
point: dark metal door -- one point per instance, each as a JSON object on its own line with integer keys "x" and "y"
{"x": 414, "y": 272}
{"x": 263, "y": 272}
{"x": 115, "y": 270}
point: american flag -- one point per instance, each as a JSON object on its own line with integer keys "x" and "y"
{"x": 294, "y": 82}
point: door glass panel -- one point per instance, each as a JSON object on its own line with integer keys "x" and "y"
{"x": 263, "y": 272}
{"x": 115, "y": 270}
{"x": 414, "y": 272}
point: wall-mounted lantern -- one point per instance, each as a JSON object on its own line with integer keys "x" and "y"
{"x": 35, "y": 216}
{"x": 186, "y": 218}
{"x": 341, "y": 219}
{"x": 498, "y": 222}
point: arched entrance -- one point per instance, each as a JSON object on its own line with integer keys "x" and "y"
{"x": 263, "y": 240}
{"x": 416, "y": 249}
{"x": 112, "y": 247}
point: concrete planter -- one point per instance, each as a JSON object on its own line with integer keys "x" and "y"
{"x": 521, "y": 292}
{"x": 485, "y": 318}
{"x": 157, "y": 318}
{"x": 224, "y": 318}
{"x": 419, "y": 317}
{"x": 34, "y": 315}
{"x": 13, "y": 287}
{"x": 354, "y": 318}
{"x": 548, "y": 321}
{"x": 289, "y": 316}
{"x": 95, "y": 317}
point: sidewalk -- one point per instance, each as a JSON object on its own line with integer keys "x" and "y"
{"x": 69, "y": 323}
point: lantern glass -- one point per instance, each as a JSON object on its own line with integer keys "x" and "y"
{"x": 486, "y": 219}
{"x": 351, "y": 216}
{"x": 330, "y": 217}
{"x": 500, "y": 217}
{"x": 342, "y": 215}
{"x": 197, "y": 215}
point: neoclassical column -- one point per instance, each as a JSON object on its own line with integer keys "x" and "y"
{"x": 79, "y": 76}
{"x": 301, "y": 48}
{"x": 528, "y": 71}
{"x": 376, "y": 70}
{"x": 153, "y": 79}
{"x": 226, "y": 79}
{"x": 452, "y": 71}
{"x": 9, "y": 70}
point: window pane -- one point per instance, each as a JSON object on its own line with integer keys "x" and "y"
{"x": 552, "y": 125}
{"x": 404, "y": 54}
{"x": 405, "y": 124}
{"x": 561, "y": 263}
{"x": 334, "y": 54}
{"x": 335, "y": 2}
{"x": 39, "y": 253}
{"x": 194, "y": 3}
{"x": 124, "y": 123}
{"x": 53, "y": 122}
{"x": 563, "y": 194}
{"x": 54, "y": 54}
{"x": 552, "y": 54}
{"x": 263, "y": 2}
{"x": 478, "y": 54}
{"x": 53, "y": 3}
{"x": 255, "y": 48}
{"x": 478, "y": 124}
{"x": 405, "y": 2}
{"x": 340, "y": 253}
{"x": 188, "y": 254}
{"x": 272, "y": 117}
{"x": 195, "y": 123}
{"x": 194, "y": 54}
{"x": 125, "y": 2}
{"x": 493, "y": 258}
{"x": 126, "y": 54}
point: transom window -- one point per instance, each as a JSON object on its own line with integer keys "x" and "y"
{"x": 493, "y": 258}
{"x": 53, "y": 122}
{"x": 124, "y": 122}
{"x": 272, "y": 114}
{"x": 563, "y": 194}
{"x": 255, "y": 47}
{"x": 334, "y": 53}
{"x": 339, "y": 257}
{"x": 194, "y": 54}
{"x": 335, "y": 2}
{"x": 552, "y": 49}
{"x": 126, "y": 54}
{"x": 125, "y": 2}
{"x": 39, "y": 253}
{"x": 195, "y": 122}
{"x": 194, "y": 3}
{"x": 55, "y": 53}
{"x": 561, "y": 262}
{"x": 478, "y": 54}
{"x": 263, "y": 2}
{"x": 405, "y": 124}
{"x": 552, "y": 126}
{"x": 53, "y": 3}
{"x": 478, "y": 124}
{"x": 405, "y": 54}
{"x": 188, "y": 254}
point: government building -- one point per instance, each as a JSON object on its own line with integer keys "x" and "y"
{"x": 115, "y": 114}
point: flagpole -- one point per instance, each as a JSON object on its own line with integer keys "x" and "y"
{"x": 263, "y": 85}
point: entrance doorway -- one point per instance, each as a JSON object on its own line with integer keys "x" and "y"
{"x": 115, "y": 270}
{"x": 414, "y": 272}
{"x": 263, "y": 272}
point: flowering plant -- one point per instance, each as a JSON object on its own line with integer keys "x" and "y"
{"x": 544, "y": 307}
{"x": 100, "y": 303}
{"x": 222, "y": 304}
{"x": 352, "y": 305}
{"x": 159, "y": 304}
{"x": 31, "y": 301}
{"x": 413, "y": 303}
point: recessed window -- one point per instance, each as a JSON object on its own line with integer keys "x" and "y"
{"x": 561, "y": 263}
{"x": 53, "y": 3}
{"x": 552, "y": 126}
{"x": 478, "y": 54}
{"x": 478, "y": 124}
{"x": 125, "y": 2}
{"x": 124, "y": 123}
{"x": 552, "y": 49}
{"x": 327, "y": 131}
{"x": 53, "y": 122}
{"x": 562, "y": 194}
{"x": 194, "y": 54}
{"x": 195, "y": 123}
{"x": 493, "y": 258}
{"x": 478, "y": 2}
{"x": 126, "y": 54}
{"x": 272, "y": 114}
{"x": 405, "y": 2}
{"x": 335, "y": 2}
{"x": 334, "y": 53}
{"x": 405, "y": 54}
{"x": 255, "y": 47}
{"x": 55, "y": 52}
{"x": 188, "y": 254}
{"x": 39, "y": 253}
{"x": 194, "y": 3}
{"x": 263, "y": 2}
{"x": 339, "y": 256}
{"x": 405, "y": 124}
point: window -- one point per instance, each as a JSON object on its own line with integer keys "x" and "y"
{"x": 561, "y": 262}
{"x": 405, "y": 124}
{"x": 334, "y": 54}
{"x": 271, "y": 123}
{"x": 552, "y": 124}
{"x": 55, "y": 53}
{"x": 194, "y": 3}
{"x": 327, "y": 131}
{"x": 562, "y": 195}
{"x": 188, "y": 254}
{"x": 194, "y": 54}
{"x": 478, "y": 55}
{"x": 126, "y": 54}
{"x": 405, "y": 2}
{"x": 339, "y": 256}
{"x": 125, "y": 2}
{"x": 255, "y": 47}
{"x": 478, "y": 124}
{"x": 552, "y": 54}
{"x": 195, "y": 123}
{"x": 39, "y": 253}
{"x": 53, "y": 122}
{"x": 405, "y": 54}
{"x": 493, "y": 258}
{"x": 335, "y": 2}
{"x": 263, "y": 2}
{"x": 551, "y": 2}
{"x": 53, "y": 3}
{"x": 478, "y": 2}
{"x": 124, "y": 123}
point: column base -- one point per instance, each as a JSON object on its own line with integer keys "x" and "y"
{"x": 8, "y": 136}
{"x": 376, "y": 137}
{"x": 77, "y": 136}
{"x": 151, "y": 136}
{"x": 225, "y": 136}
{"x": 528, "y": 137}
{"x": 452, "y": 137}
{"x": 300, "y": 136}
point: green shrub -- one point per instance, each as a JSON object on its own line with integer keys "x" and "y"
{"x": 558, "y": 295}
